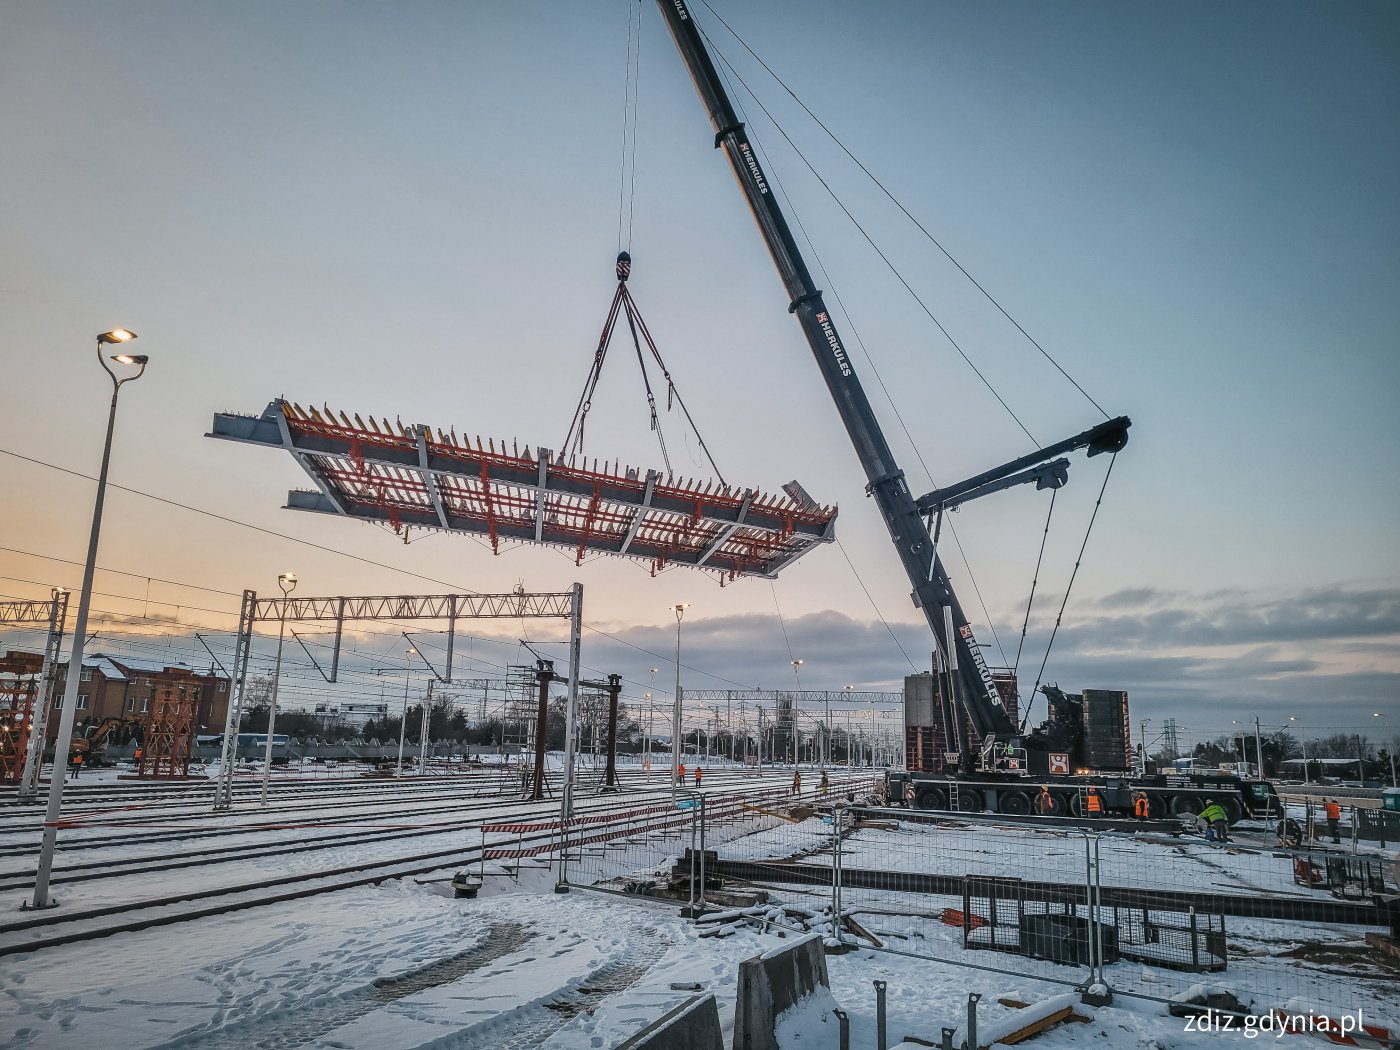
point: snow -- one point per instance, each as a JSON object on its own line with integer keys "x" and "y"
{"x": 403, "y": 964}
{"x": 1012, "y": 1022}
{"x": 304, "y": 973}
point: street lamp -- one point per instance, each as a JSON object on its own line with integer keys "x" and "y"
{"x": 1294, "y": 718}
{"x": 679, "y": 609}
{"x": 797, "y": 688}
{"x": 75, "y": 658}
{"x": 403, "y": 718}
{"x": 848, "y": 690}
{"x": 1390, "y": 750}
{"x": 288, "y": 582}
{"x": 646, "y": 744}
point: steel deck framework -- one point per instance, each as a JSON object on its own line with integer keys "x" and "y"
{"x": 407, "y": 478}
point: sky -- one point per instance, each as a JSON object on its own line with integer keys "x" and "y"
{"x": 413, "y": 211}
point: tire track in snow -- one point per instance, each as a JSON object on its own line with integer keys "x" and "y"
{"x": 296, "y": 1025}
{"x": 530, "y": 1025}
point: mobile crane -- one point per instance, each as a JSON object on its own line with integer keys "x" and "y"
{"x": 996, "y": 762}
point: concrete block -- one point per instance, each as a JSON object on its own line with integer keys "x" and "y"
{"x": 694, "y": 1025}
{"x": 771, "y": 983}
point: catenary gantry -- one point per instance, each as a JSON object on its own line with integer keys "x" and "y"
{"x": 410, "y": 477}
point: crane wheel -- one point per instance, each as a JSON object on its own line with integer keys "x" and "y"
{"x": 1014, "y": 803}
{"x": 1186, "y": 805}
{"x": 931, "y": 798}
{"x": 1234, "y": 812}
{"x": 970, "y": 801}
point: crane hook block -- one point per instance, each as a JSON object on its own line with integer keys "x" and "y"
{"x": 624, "y": 265}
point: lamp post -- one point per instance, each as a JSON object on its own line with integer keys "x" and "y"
{"x": 679, "y": 609}
{"x": 848, "y": 690}
{"x": 288, "y": 582}
{"x": 1294, "y": 718}
{"x": 403, "y": 718}
{"x": 75, "y": 658}
{"x": 797, "y": 688}
{"x": 1390, "y": 750}
{"x": 651, "y": 711}
{"x": 646, "y": 741}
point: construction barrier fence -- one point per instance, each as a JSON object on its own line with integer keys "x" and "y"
{"x": 1156, "y": 911}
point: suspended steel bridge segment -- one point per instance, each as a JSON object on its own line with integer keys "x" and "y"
{"x": 408, "y": 477}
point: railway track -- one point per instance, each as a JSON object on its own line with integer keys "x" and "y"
{"x": 19, "y": 834}
{"x": 34, "y": 931}
{"x": 480, "y": 813}
{"x": 155, "y": 796}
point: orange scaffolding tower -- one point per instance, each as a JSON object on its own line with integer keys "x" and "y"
{"x": 19, "y": 688}
{"x": 169, "y": 734}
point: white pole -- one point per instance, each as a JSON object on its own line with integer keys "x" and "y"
{"x": 646, "y": 744}
{"x": 1258, "y": 747}
{"x": 423, "y": 742}
{"x": 566, "y": 810}
{"x": 288, "y": 582}
{"x": 34, "y": 757}
{"x": 75, "y": 658}
{"x": 403, "y": 718}
{"x": 679, "y": 610}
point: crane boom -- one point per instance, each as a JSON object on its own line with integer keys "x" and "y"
{"x": 885, "y": 482}
{"x": 972, "y": 687}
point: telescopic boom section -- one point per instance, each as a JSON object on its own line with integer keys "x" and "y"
{"x": 886, "y": 483}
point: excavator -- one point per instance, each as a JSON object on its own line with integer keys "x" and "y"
{"x": 986, "y": 761}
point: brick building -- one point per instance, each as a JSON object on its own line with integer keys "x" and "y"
{"x": 118, "y": 687}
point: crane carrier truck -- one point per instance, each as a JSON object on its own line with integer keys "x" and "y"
{"x": 966, "y": 749}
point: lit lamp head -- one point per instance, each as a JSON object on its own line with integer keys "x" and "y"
{"x": 121, "y": 335}
{"x": 287, "y": 581}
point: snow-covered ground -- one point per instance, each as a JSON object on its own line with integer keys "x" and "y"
{"x": 404, "y": 965}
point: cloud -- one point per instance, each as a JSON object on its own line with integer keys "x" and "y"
{"x": 1328, "y": 656}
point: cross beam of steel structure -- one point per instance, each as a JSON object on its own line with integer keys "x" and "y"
{"x": 450, "y": 607}
{"x": 53, "y": 612}
{"x": 801, "y": 696}
{"x": 405, "y": 477}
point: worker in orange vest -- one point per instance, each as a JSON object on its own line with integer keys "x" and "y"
{"x": 697, "y": 776}
{"x": 797, "y": 782}
{"x": 681, "y": 778}
{"x": 1334, "y": 816}
{"x": 1095, "y": 804}
{"x": 77, "y": 763}
{"x": 1045, "y": 802}
{"x": 1141, "y": 807}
